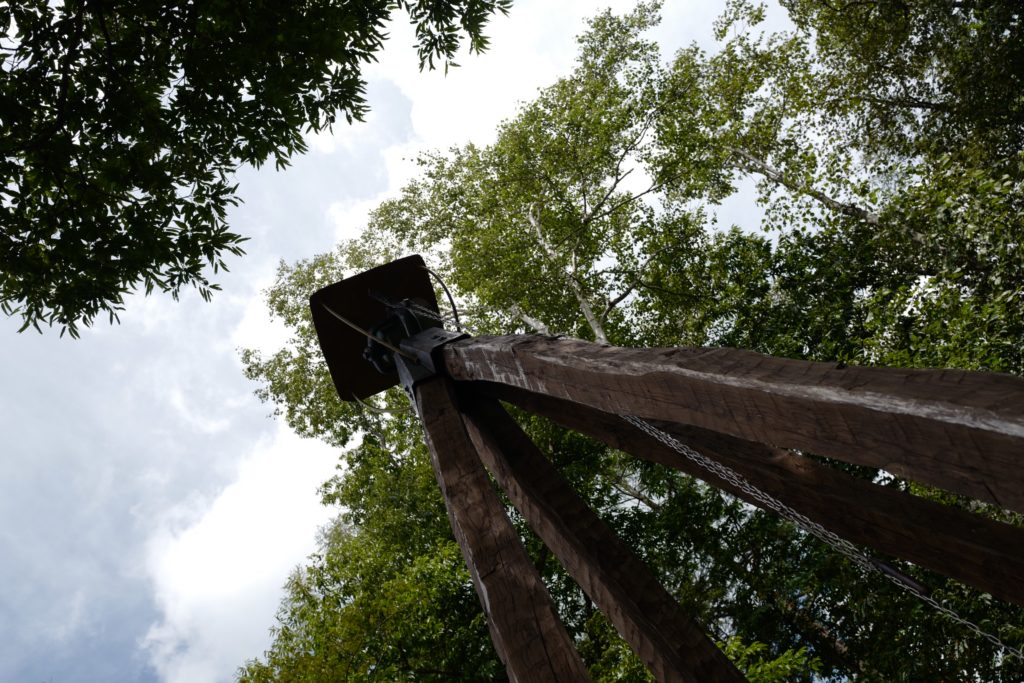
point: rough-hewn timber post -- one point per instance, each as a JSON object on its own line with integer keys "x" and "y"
{"x": 986, "y": 554}
{"x": 960, "y": 431}
{"x": 672, "y": 645}
{"x": 525, "y": 628}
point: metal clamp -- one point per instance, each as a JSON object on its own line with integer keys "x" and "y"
{"x": 425, "y": 350}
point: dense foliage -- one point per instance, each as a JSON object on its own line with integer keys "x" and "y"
{"x": 892, "y": 217}
{"x": 125, "y": 121}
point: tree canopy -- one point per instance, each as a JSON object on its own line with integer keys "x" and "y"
{"x": 595, "y": 214}
{"x": 125, "y": 121}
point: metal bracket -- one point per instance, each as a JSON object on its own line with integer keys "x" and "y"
{"x": 425, "y": 348}
{"x": 410, "y": 374}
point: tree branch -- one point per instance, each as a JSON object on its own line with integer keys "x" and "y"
{"x": 637, "y": 281}
{"x": 753, "y": 164}
{"x": 618, "y": 176}
{"x": 624, "y": 487}
{"x": 906, "y": 103}
{"x": 532, "y": 322}
{"x": 612, "y": 303}
{"x": 627, "y": 200}
{"x": 570, "y": 279}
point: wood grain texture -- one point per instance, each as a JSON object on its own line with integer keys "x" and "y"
{"x": 957, "y": 430}
{"x": 524, "y": 625}
{"x": 983, "y": 553}
{"x": 672, "y": 645}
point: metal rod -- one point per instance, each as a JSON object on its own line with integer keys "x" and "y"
{"x": 366, "y": 334}
{"x": 451, "y": 300}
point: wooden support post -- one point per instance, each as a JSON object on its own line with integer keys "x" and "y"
{"x": 670, "y": 643}
{"x": 524, "y": 625}
{"x": 960, "y": 431}
{"x": 983, "y": 553}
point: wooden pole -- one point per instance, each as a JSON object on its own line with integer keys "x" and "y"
{"x": 672, "y": 645}
{"x": 983, "y": 553}
{"x": 525, "y": 627}
{"x": 960, "y": 431}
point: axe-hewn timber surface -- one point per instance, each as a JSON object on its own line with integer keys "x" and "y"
{"x": 672, "y": 645}
{"x": 957, "y": 430}
{"x": 524, "y": 625}
{"x": 978, "y": 551}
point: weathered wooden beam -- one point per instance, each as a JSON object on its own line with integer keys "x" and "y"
{"x": 525, "y": 628}
{"x": 672, "y": 645}
{"x": 960, "y": 431}
{"x": 978, "y": 551}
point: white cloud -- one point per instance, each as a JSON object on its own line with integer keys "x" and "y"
{"x": 217, "y": 578}
{"x": 350, "y": 216}
{"x": 529, "y": 49}
{"x": 72, "y": 620}
{"x": 322, "y": 142}
{"x": 256, "y": 329}
{"x": 196, "y": 419}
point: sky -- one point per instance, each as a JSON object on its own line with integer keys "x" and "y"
{"x": 151, "y": 507}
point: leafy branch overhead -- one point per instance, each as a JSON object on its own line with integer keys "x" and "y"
{"x": 124, "y": 123}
